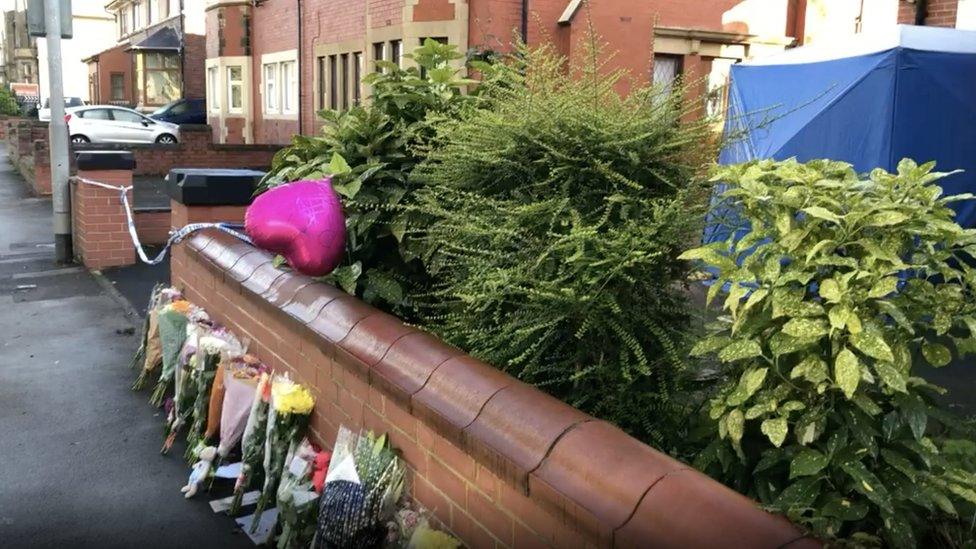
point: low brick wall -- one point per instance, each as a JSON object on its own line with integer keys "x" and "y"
{"x": 499, "y": 463}
{"x": 99, "y": 227}
{"x": 195, "y": 150}
{"x": 152, "y": 226}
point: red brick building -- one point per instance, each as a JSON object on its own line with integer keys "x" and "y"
{"x": 268, "y": 74}
{"x": 159, "y": 57}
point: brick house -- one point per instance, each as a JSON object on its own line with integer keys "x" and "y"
{"x": 272, "y": 64}
{"x": 159, "y": 56}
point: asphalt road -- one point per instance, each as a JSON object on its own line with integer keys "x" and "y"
{"x": 79, "y": 452}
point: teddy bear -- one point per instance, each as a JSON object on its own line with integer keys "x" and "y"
{"x": 200, "y": 471}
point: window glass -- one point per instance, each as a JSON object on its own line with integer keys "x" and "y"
{"x": 320, "y": 81}
{"x": 270, "y": 88}
{"x": 118, "y": 86}
{"x": 95, "y": 114}
{"x": 396, "y": 52}
{"x": 162, "y": 87}
{"x": 357, "y": 64}
{"x": 235, "y": 88}
{"x": 333, "y": 85}
{"x": 344, "y": 81}
{"x": 378, "y": 54}
{"x": 125, "y": 116}
{"x": 289, "y": 97}
{"x": 212, "y": 88}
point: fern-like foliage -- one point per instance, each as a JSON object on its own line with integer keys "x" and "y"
{"x": 556, "y": 210}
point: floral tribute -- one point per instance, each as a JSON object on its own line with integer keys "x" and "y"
{"x": 230, "y": 404}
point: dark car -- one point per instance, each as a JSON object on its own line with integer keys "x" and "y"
{"x": 182, "y": 111}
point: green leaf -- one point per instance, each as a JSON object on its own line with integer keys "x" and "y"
{"x": 965, "y": 493}
{"x": 885, "y": 219}
{"x": 347, "y": 276}
{"x": 781, "y": 344}
{"x": 709, "y": 345}
{"x": 735, "y": 424}
{"x": 890, "y": 376}
{"x": 865, "y": 403}
{"x": 749, "y": 383}
{"x": 847, "y": 372}
{"x": 338, "y": 165}
{"x": 776, "y": 430}
{"x": 740, "y": 350}
{"x": 812, "y": 368}
{"x": 844, "y": 509}
{"x": 807, "y": 462}
{"x": 819, "y": 247}
{"x": 884, "y": 287}
{"x": 839, "y": 316}
{"x": 900, "y": 463}
{"x": 936, "y": 354}
{"x": 806, "y": 328}
{"x": 867, "y": 483}
{"x": 798, "y": 496}
{"x": 823, "y": 213}
{"x": 830, "y": 290}
{"x": 870, "y": 342}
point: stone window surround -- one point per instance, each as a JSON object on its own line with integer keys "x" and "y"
{"x": 223, "y": 112}
{"x": 277, "y": 58}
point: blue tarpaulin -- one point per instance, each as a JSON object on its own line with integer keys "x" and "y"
{"x": 907, "y": 93}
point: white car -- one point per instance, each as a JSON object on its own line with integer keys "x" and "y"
{"x": 44, "y": 113}
{"x": 110, "y": 124}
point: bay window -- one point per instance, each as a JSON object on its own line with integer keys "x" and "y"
{"x": 157, "y": 78}
{"x": 235, "y": 89}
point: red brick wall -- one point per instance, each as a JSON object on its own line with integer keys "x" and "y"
{"x": 499, "y": 463}
{"x": 433, "y": 10}
{"x": 196, "y": 150}
{"x": 115, "y": 60}
{"x": 938, "y": 13}
{"x": 194, "y": 67}
{"x": 152, "y": 227}
{"x": 101, "y": 237}
{"x": 227, "y": 27}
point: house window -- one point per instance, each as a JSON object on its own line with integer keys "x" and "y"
{"x": 271, "y": 88}
{"x": 289, "y": 87}
{"x": 333, "y": 77}
{"x": 667, "y": 68}
{"x": 213, "y": 88}
{"x": 136, "y": 17}
{"x": 320, "y": 67}
{"x": 117, "y": 80}
{"x": 357, "y": 64}
{"x": 123, "y": 22}
{"x": 235, "y": 89}
{"x": 149, "y": 13}
{"x": 344, "y": 80}
{"x": 396, "y": 52}
{"x": 157, "y": 78}
{"x": 379, "y": 49}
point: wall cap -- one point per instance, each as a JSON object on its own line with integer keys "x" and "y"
{"x": 105, "y": 160}
{"x": 212, "y": 187}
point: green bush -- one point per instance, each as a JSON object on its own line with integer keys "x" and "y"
{"x": 556, "y": 211}
{"x": 8, "y": 103}
{"x": 369, "y": 151}
{"x": 840, "y": 287}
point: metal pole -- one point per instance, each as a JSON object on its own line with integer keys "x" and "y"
{"x": 58, "y": 132}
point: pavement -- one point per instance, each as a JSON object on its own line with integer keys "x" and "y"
{"x": 79, "y": 452}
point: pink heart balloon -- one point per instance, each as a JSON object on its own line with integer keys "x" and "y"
{"x": 301, "y": 221}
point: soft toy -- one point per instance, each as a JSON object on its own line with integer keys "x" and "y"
{"x": 301, "y": 221}
{"x": 200, "y": 471}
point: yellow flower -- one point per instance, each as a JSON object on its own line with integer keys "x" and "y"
{"x": 428, "y": 538}
{"x": 181, "y": 306}
{"x": 290, "y": 397}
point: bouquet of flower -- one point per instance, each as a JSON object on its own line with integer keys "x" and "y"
{"x": 140, "y": 357}
{"x": 239, "y": 377}
{"x": 291, "y": 403}
{"x": 182, "y": 403}
{"x": 252, "y": 445}
{"x": 151, "y": 350}
{"x": 176, "y": 320}
{"x": 297, "y": 497}
{"x": 364, "y": 483}
{"x": 220, "y": 343}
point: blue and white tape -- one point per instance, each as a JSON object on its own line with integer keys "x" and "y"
{"x": 175, "y": 236}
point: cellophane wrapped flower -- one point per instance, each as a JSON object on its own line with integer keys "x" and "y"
{"x": 151, "y": 351}
{"x": 252, "y": 444}
{"x": 214, "y": 347}
{"x": 176, "y": 320}
{"x": 364, "y": 483}
{"x": 241, "y": 376}
{"x": 297, "y": 498}
{"x": 140, "y": 357}
{"x": 185, "y": 392}
{"x": 291, "y": 404}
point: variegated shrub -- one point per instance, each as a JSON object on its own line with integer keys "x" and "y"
{"x": 836, "y": 289}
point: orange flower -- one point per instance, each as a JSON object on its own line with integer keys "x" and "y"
{"x": 181, "y": 306}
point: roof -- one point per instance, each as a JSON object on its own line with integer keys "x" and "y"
{"x": 897, "y": 36}
{"x": 164, "y": 39}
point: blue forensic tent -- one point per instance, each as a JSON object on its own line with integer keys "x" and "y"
{"x": 871, "y": 101}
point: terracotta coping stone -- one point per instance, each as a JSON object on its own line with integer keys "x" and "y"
{"x": 586, "y": 472}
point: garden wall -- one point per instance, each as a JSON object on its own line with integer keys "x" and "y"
{"x": 498, "y": 462}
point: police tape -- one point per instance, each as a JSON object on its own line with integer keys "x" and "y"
{"x": 175, "y": 236}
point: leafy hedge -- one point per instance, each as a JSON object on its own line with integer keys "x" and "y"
{"x": 839, "y": 288}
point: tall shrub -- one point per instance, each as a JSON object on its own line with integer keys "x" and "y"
{"x": 370, "y": 150}
{"x": 556, "y": 211}
{"x": 839, "y": 288}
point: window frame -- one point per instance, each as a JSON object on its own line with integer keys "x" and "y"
{"x": 231, "y": 84}
{"x": 111, "y": 86}
{"x": 269, "y": 86}
{"x": 213, "y": 88}
{"x": 288, "y": 75}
